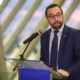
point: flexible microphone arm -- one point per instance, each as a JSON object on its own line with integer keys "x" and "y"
{"x": 21, "y": 57}
{"x": 28, "y": 43}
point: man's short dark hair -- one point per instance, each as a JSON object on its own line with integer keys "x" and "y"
{"x": 51, "y": 6}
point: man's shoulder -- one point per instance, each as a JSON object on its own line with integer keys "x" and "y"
{"x": 71, "y": 29}
{"x": 75, "y": 32}
{"x": 46, "y": 32}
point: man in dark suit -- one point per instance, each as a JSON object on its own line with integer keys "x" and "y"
{"x": 65, "y": 47}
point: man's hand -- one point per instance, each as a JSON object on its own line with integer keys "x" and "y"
{"x": 63, "y": 72}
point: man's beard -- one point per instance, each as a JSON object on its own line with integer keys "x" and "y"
{"x": 57, "y": 25}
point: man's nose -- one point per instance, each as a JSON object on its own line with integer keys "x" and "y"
{"x": 56, "y": 18}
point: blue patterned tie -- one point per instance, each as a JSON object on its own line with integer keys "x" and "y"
{"x": 54, "y": 49}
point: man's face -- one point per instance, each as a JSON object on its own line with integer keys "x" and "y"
{"x": 55, "y": 17}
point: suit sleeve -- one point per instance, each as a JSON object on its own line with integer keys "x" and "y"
{"x": 76, "y": 67}
{"x": 42, "y": 50}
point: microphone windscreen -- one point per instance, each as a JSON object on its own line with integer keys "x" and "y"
{"x": 41, "y": 30}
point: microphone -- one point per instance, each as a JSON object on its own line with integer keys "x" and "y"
{"x": 34, "y": 35}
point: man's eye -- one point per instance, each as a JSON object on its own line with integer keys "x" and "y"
{"x": 59, "y": 14}
{"x": 51, "y": 16}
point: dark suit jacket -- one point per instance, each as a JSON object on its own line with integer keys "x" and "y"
{"x": 69, "y": 51}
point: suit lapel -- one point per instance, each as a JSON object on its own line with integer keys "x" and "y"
{"x": 64, "y": 38}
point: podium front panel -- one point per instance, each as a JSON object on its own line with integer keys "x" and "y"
{"x": 33, "y": 74}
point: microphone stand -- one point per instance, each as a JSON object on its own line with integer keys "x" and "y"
{"x": 21, "y": 57}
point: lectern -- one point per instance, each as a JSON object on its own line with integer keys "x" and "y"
{"x": 34, "y": 70}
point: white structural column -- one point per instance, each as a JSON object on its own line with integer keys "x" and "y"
{"x": 3, "y": 71}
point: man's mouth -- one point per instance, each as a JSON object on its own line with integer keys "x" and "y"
{"x": 56, "y": 24}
